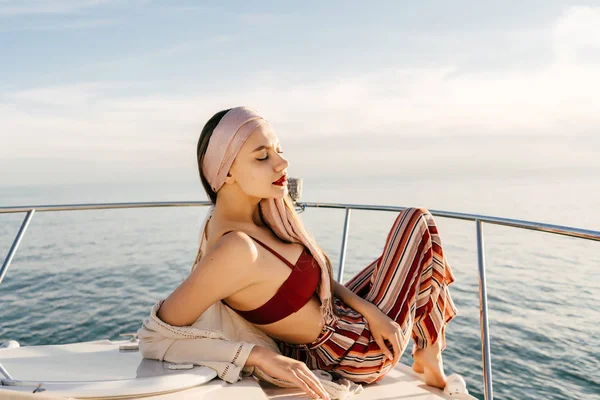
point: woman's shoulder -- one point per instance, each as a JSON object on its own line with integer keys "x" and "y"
{"x": 234, "y": 246}
{"x": 229, "y": 237}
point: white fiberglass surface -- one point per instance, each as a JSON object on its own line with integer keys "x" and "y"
{"x": 102, "y": 370}
{"x": 89, "y": 361}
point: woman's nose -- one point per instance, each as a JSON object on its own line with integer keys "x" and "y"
{"x": 283, "y": 164}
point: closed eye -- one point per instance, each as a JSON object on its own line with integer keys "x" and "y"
{"x": 267, "y": 157}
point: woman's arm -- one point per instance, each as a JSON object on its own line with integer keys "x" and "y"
{"x": 223, "y": 271}
{"x": 356, "y": 302}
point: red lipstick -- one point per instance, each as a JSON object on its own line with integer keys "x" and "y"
{"x": 281, "y": 181}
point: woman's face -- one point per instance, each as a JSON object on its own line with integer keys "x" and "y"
{"x": 260, "y": 163}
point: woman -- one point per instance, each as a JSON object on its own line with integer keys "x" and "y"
{"x": 358, "y": 330}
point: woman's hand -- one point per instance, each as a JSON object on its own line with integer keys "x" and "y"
{"x": 288, "y": 369}
{"x": 384, "y": 328}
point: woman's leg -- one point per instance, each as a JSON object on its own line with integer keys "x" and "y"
{"x": 409, "y": 282}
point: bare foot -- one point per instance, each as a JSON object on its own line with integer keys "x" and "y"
{"x": 430, "y": 358}
{"x": 418, "y": 368}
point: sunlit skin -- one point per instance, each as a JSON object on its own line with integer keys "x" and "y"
{"x": 254, "y": 274}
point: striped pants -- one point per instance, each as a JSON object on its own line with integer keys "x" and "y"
{"x": 408, "y": 282}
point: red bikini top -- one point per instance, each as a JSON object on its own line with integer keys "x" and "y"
{"x": 292, "y": 295}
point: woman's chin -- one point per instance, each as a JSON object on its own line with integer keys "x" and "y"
{"x": 282, "y": 192}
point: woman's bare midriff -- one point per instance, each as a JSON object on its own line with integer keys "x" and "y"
{"x": 303, "y": 326}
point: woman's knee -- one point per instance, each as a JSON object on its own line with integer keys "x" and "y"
{"x": 413, "y": 212}
{"x": 417, "y": 210}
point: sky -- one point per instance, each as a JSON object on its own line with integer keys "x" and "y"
{"x": 118, "y": 91}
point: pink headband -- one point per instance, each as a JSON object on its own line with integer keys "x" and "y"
{"x": 229, "y": 136}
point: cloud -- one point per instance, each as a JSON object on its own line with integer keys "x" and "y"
{"x": 386, "y": 117}
{"x": 262, "y": 18}
{"x": 61, "y": 26}
{"x": 27, "y": 7}
{"x": 576, "y": 33}
{"x": 178, "y": 50}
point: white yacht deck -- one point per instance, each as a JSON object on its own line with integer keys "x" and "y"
{"x": 99, "y": 369}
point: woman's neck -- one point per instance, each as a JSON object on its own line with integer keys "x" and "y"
{"x": 235, "y": 206}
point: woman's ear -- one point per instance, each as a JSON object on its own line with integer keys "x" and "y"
{"x": 229, "y": 179}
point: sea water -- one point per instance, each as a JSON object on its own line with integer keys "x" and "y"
{"x": 88, "y": 275}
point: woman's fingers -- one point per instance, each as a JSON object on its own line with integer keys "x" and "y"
{"x": 303, "y": 383}
{"x": 314, "y": 383}
{"x": 396, "y": 346}
{"x": 394, "y": 340}
{"x": 291, "y": 370}
{"x": 381, "y": 343}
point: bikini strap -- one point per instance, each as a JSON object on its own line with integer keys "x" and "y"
{"x": 270, "y": 249}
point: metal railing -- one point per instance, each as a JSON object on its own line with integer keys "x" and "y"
{"x": 478, "y": 219}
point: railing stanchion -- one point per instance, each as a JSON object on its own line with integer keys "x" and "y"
{"x": 483, "y": 316}
{"x": 343, "y": 250}
{"x": 5, "y": 373}
{"x": 16, "y": 243}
